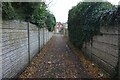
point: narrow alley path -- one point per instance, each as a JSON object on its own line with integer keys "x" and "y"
{"x": 59, "y": 62}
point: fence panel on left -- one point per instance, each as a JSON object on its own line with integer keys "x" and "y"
{"x": 15, "y": 45}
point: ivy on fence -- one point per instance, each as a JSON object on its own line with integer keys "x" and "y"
{"x": 86, "y": 18}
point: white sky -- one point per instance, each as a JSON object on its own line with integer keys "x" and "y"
{"x": 60, "y": 8}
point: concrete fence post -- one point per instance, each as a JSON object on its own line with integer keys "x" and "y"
{"x": 39, "y": 39}
{"x": 48, "y": 35}
{"x": 91, "y": 50}
{"x": 118, "y": 41}
{"x": 28, "y": 42}
{"x": 119, "y": 52}
{"x": 43, "y": 37}
{"x": 0, "y": 40}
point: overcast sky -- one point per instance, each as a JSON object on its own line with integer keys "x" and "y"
{"x": 60, "y": 8}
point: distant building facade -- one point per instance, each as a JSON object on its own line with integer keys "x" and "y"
{"x": 58, "y": 27}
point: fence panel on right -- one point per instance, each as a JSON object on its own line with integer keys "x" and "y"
{"x": 104, "y": 49}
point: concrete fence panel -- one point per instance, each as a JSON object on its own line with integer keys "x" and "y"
{"x": 14, "y": 47}
{"x": 20, "y": 42}
{"x": 104, "y": 49}
{"x": 33, "y": 37}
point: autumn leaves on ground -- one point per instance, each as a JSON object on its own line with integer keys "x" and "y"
{"x": 59, "y": 59}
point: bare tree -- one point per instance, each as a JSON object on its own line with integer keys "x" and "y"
{"x": 50, "y": 2}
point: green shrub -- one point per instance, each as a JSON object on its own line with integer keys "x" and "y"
{"x": 8, "y": 12}
{"x": 34, "y": 12}
{"x": 85, "y": 20}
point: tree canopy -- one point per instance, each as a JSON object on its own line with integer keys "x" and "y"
{"x": 86, "y": 18}
{"x": 50, "y": 22}
{"x": 34, "y": 12}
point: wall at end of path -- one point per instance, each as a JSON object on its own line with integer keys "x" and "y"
{"x": 20, "y": 43}
{"x": 104, "y": 49}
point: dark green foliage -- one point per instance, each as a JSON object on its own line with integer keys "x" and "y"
{"x": 34, "y": 12}
{"x": 8, "y": 11}
{"x": 39, "y": 15}
{"x": 50, "y": 22}
{"x": 25, "y": 9}
{"x": 85, "y": 20}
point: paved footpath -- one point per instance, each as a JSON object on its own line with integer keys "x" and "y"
{"x": 60, "y": 62}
